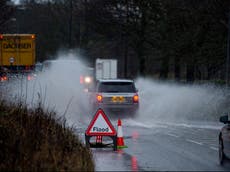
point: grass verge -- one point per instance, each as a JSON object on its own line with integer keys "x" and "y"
{"x": 35, "y": 140}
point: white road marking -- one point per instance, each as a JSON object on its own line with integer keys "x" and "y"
{"x": 173, "y": 135}
{"x": 213, "y": 148}
{"x": 213, "y": 145}
{"x": 192, "y": 141}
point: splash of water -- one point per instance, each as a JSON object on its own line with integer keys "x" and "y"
{"x": 58, "y": 88}
{"x": 164, "y": 102}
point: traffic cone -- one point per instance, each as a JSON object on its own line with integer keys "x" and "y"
{"x": 120, "y": 140}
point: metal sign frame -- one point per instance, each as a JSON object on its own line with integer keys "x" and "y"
{"x": 112, "y": 134}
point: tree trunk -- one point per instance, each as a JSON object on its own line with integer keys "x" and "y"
{"x": 177, "y": 68}
{"x": 190, "y": 73}
{"x": 142, "y": 65}
{"x": 164, "y": 68}
{"x": 140, "y": 50}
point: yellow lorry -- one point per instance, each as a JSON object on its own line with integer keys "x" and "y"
{"x": 17, "y": 53}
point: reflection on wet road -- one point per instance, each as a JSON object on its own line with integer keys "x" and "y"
{"x": 164, "y": 147}
{"x": 108, "y": 160}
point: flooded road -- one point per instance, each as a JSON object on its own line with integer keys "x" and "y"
{"x": 163, "y": 147}
{"x": 176, "y": 129}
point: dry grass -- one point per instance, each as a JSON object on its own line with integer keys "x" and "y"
{"x": 34, "y": 140}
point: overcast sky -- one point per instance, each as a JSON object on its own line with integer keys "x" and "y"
{"x": 15, "y": 1}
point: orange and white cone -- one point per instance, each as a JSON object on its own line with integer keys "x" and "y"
{"x": 120, "y": 140}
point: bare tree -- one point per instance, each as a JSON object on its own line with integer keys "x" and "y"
{"x": 6, "y": 11}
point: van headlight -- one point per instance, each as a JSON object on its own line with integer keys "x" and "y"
{"x": 88, "y": 79}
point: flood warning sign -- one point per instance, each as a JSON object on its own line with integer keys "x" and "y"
{"x": 100, "y": 125}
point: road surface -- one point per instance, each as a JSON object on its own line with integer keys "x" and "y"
{"x": 164, "y": 147}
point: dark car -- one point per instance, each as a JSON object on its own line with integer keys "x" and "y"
{"x": 116, "y": 95}
{"x": 224, "y": 140}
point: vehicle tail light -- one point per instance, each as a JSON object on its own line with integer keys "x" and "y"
{"x": 29, "y": 77}
{"x": 27, "y": 68}
{"x": 81, "y": 79}
{"x": 135, "y": 98}
{"x": 99, "y": 98}
{"x": 3, "y": 78}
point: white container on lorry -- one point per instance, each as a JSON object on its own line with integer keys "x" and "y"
{"x": 106, "y": 69}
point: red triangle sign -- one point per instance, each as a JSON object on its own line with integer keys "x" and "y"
{"x": 100, "y": 125}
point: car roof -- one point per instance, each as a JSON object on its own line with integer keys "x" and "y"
{"x": 115, "y": 80}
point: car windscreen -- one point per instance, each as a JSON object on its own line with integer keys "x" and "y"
{"x": 116, "y": 87}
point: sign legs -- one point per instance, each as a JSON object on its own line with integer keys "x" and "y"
{"x": 99, "y": 143}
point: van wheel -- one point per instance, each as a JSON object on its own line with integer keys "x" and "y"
{"x": 221, "y": 153}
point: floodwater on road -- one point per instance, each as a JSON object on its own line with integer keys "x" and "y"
{"x": 163, "y": 106}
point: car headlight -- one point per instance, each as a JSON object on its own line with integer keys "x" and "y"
{"x": 88, "y": 79}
